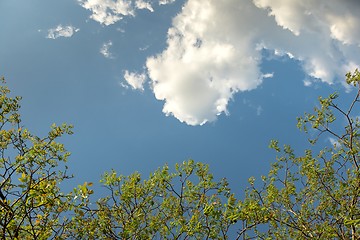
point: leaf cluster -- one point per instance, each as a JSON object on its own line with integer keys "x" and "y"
{"x": 315, "y": 195}
{"x": 185, "y": 204}
{"x": 31, "y": 203}
{"x": 312, "y": 196}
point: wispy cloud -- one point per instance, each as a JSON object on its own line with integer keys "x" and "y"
{"x": 135, "y": 80}
{"x": 108, "y": 12}
{"x": 163, "y": 2}
{"x": 334, "y": 142}
{"x": 105, "y": 50}
{"x": 144, "y": 48}
{"x": 141, "y": 4}
{"x": 205, "y": 64}
{"x": 307, "y": 82}
{"x": 62, "y": 31}
{"x": 259, "y": 110}
{"x": 120, "y": 30}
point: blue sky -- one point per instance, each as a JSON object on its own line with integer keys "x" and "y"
{"x": 152, "y": 82}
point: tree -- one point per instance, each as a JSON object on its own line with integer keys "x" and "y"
{"x": 186, "y": 204}
{"x": 316, "y": 195}
{"x": 312, "y": 196}
{"x": 31, "y": 205}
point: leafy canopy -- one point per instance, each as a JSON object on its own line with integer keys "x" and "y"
{"x": 312, "y": 196}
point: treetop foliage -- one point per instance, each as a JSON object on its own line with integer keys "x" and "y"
{"x": 312, "y": 196}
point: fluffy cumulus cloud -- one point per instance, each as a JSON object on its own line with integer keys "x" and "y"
{"x": 61, "y": 31}
{"x": 135, "y": 80}
{"x": 108, "y": 12}
{"x": 335, "y": 16}
{"x": 214, "y": 49}
{"x": 324, "y": 35}
{"x": 208, "y": 59}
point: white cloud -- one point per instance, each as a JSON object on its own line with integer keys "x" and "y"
{"x": 135, "y": 80}
{"x": 307, "y": 82}
{"x": 164, "y": 2}
{"x": 337, "y": 17}
{"x": 334, "y": 142}
{"x": 105, "y": 50}
{"x": 62, "y": 31}
{"x": 214, "y": 49}
{"x": 144, "y": 48}
{"x": 258, "y": 108}
{"x": 124, "y": 85}
{"x": 267, "y": 75}
{"x": 141, "y": 4}
{"x": 325, "y": 35}
{"x": 108, "y": 12}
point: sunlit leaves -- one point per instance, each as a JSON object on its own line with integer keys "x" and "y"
{"x": 187, "y": 203}
{"x": 353, "y": 78}
{"x": 34, "y": 207}
{"x": 316, "y": 195}
{"x": 312, "y": 196}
